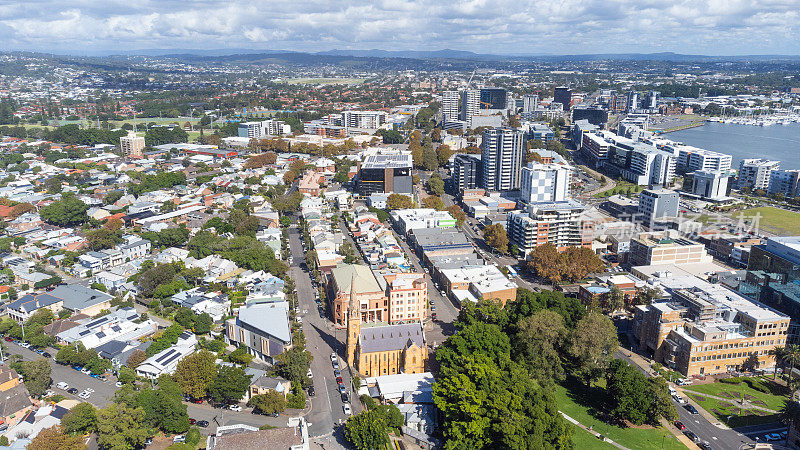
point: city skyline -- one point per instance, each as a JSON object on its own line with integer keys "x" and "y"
{"x": 489, "y": 27}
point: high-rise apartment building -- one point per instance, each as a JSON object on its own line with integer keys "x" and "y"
{"x": 466, "y": 171}
{"x": 559, "y": 223}
{"x": 470, "y": 104}
{"x": 529, "y": 103}
{"x": 264, "y": 128}
{"x": 786, "y": 182}
{"x": 363, "y": 119}
{"x": 657, "y": 204}
{"x": 132, "y": 145}
{"x": 449, "y": 105}
{"x": 501, "y": 158}
{"x": 755, "y": 172}
{"x": 563, "y": 95}
{"x": 545, "y": 183}
{"x": 693, "y": 158}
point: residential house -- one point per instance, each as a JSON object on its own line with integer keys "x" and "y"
{"x": 166, "y": 361}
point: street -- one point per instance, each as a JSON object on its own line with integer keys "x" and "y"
{"x": 322, "y": 339}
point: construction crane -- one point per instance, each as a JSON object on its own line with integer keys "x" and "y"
{"x": 471, "y": 76}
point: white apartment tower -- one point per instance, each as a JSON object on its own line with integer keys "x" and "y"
{"x": 449, "y": 105}
{"x": 501, "y": 158}
{"x": 545, "y": 183}
{"x": 470, "y": 104}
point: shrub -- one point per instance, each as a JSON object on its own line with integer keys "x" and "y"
{"x": 731, "y": 380}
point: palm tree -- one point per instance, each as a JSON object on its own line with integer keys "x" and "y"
{"x": 780, "y": 359}
{"x": 792, "y": 357}
{"x": 790, "y": 413}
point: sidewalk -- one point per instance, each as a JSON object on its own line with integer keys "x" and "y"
{"x": 596, "y": 434}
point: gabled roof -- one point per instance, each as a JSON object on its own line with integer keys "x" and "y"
{"x": 391, "y": 337}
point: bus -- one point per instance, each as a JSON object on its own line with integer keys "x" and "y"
{"x": 511, "y": 271}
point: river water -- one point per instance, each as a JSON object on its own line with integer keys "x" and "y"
{"x": 776, "y": 142}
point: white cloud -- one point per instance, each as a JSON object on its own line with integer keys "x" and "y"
{"x": 496, "y": 26}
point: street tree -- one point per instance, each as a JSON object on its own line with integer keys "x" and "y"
{"x": 367, "y": 431}
{"x": 230, "y": 385}
{"x": 195, "y": 373}
{"x": 82, "y": 418}
{"x": 269, "y": 403}
{"x": 495, "y": 236}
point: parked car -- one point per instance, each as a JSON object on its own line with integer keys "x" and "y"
{"x": 311, "y": 391}
{"x": 9, "y": 339}
{"x": 772, "y": 437}
{"x": 309, "y": 374}
{"x": 704, "y": 445}
{"x": 345, "y": 397}
{"x": 86, "y": 371}
{"x": 346, "y": 409}
{"x": 339, "y": 380}
{"x": 179, "y": 439}
{"x": 337, "y": 372}
{"x": 342, "y": 389}
{"x": 62, "y": 385}
{"x": 691, "y": 409}
{"x": 690, "y": 435}
{"x": 680, "y": 425}
{"x": 202, "y": 423}
{"x": 192, "y": 421}
{"x": 236, "y": 408}
{"x": 72, "y": 391}
{"x": 84, "y": 395}
{"x": 335, "y": 364}
{"x": 118, "y": 384}
{"x": 47, "y": 355}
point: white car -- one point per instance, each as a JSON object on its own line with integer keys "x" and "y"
{"x": 118, "y": 384}
{"x": 84, "y": 395}
{"x": 346, "y": 408}
{"x": 24, "y": 345}
{"x": 86, "y": 371}
{"x": 62, "y": 385}
{"x": 236, "y": 408}
{"x": 333, "y": 356}
{"x": 49, "y": 393}
{"x": 309, "y": 374}
{"x": 179, "y": 439}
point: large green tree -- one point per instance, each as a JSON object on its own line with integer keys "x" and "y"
{"x": 230, "y": 385}
{"x": 367, "y": 431}
{"x": 195, "y": 373}
{"x": 591, "y": 346}
{"x": 82, "y": 418}
{"x": 539, "y": 344}
{"x": 121, "y": 428}
{"x": 65, "y": 212}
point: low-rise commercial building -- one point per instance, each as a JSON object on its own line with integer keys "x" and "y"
{"x": 661, "y": 248}
{"x": 705, "y": 328}
{"x": 262, "y": 328}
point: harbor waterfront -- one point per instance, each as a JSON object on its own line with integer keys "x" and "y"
{"x": 777, "y": 142}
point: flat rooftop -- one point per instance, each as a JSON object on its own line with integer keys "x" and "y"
{"x": 387, "y": 162}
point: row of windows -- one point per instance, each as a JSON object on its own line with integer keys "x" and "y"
{"x": 739, "y": 345}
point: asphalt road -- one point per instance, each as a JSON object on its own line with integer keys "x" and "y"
{"x": 322, "y": 339}
{"x": 697, "y": 423}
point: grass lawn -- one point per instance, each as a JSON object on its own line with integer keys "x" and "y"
{"x": 775, "y": 220}
{"x": 581, "y": 404}
{"x": 762, "y": 399}
{"x": 723, "y": 409}
{"x": 584, "y": 439}
{"x": 622, "y": 187}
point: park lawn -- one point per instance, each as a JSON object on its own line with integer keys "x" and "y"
{"x": 583, "y": 439}
{"x": 622, "y": 187}
{"x": 775, "y": 220}
{"x": 638, "y": 438}
{"x": 730, "y": 413}
{"x": 771, "y": 401}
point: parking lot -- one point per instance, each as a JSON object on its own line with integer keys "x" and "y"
{"x": 102, "y": 391}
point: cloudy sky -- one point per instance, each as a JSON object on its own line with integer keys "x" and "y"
{"x": 714, "y": 27}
